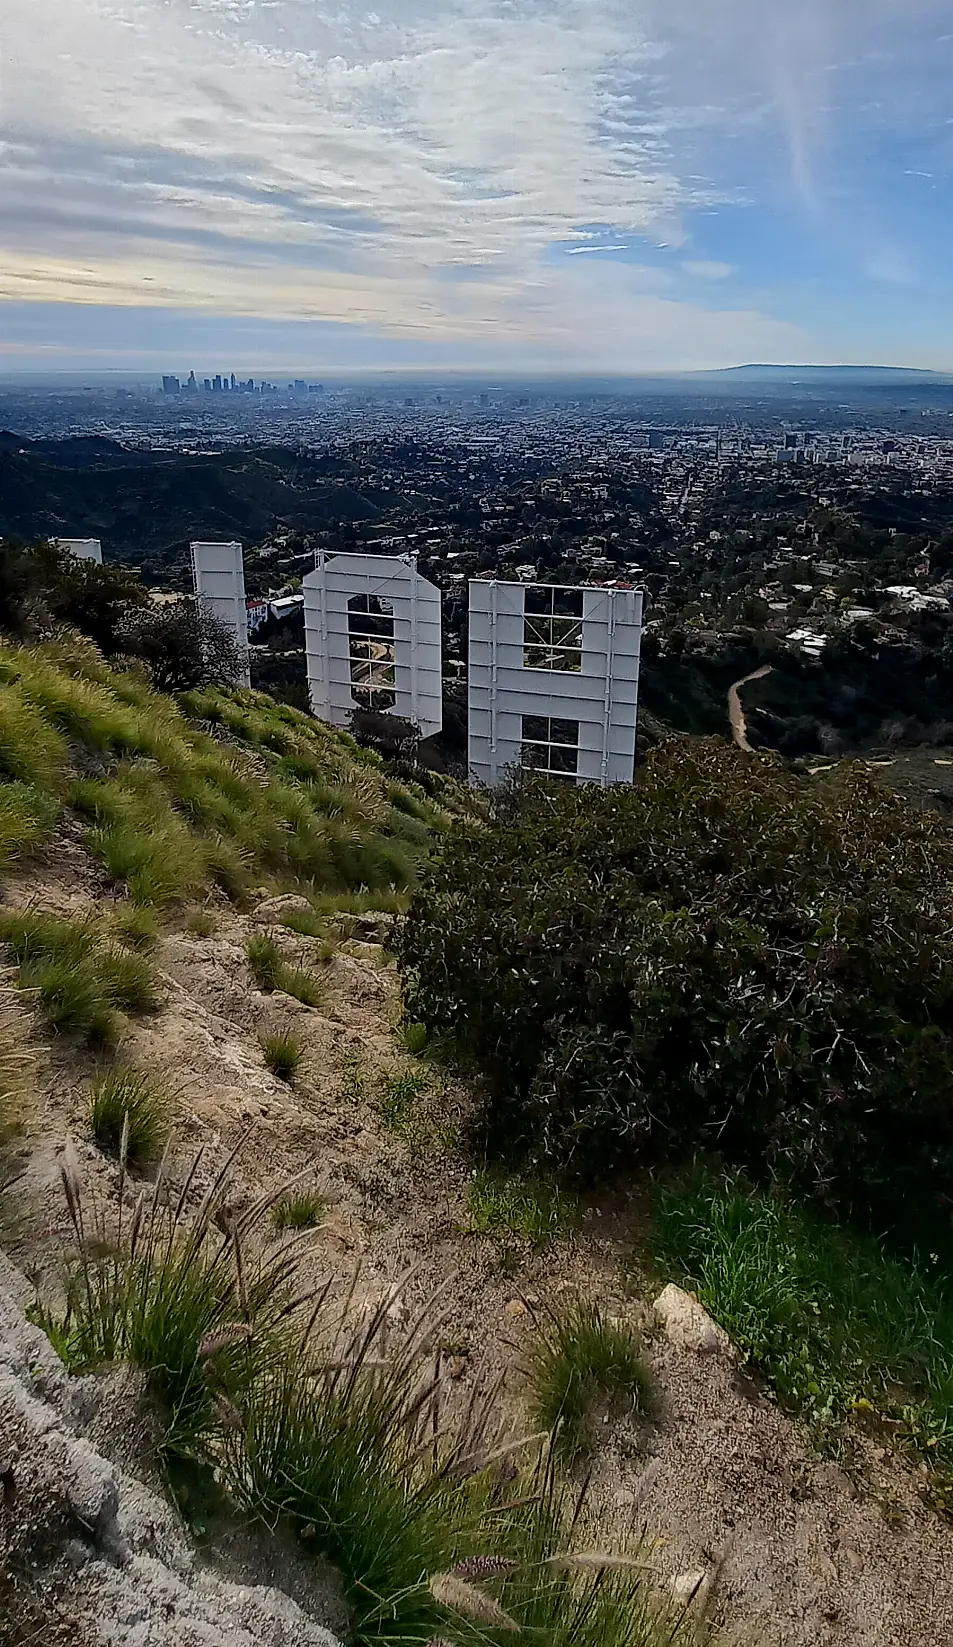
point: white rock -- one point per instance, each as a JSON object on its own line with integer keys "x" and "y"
{"x": 290, "y": 903}
{"x": 685, "y": 1586}
{"x": 688, "y": 1325}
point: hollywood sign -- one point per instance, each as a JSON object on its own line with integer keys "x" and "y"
{"x": 553, "y": 672}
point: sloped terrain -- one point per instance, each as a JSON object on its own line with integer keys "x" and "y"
{"x": 713, "y": 1494}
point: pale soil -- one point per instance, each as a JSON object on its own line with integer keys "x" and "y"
{"x": 814, "y": 1558}
{"x": 736, "y": 714}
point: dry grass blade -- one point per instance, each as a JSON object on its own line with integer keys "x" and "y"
{"x": 214, "y": 1342}
{"x": 600, "y": 1561}
{"x": 470, "y": 1600}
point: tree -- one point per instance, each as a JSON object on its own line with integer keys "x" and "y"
{"x": 184, "y": 645}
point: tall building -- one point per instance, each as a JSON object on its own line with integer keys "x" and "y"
{"x": 170, "y": 385}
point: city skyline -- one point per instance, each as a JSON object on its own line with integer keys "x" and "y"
{"x": 518, "y": 186}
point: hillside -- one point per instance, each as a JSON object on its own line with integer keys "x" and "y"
{"x": 147, "y": 506}
{"x": 307, "y": 1343}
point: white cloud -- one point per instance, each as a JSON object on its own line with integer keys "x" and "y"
{"x": 408, "y": 168}
{"x": 704, "y": 270}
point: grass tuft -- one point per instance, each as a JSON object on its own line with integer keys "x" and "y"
{"x": 412, "y": 1037}
{"x": 399, "y": 1099}
{"x": 582, "y": 1365}
{"x": 137, "y": 927}
{"x": 129, "y": 1113}
{"x": 265, "y": 962}
{"x": 201, "y": 923}
{"x": 78, "y": 979}
{"x": 298, "y": 1210}
{"x": 536, "y": 1212}
{"x": 282, "y": 1053}
{"x": 272, "y": 972}
{"x": 156, "y": 1289}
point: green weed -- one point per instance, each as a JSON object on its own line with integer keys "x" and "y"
{"x": 128, "y": 1111}
{"x": 582, "y": 1364}
{"x": 500, "y": 1206}
{"x": 282, "y": 1053}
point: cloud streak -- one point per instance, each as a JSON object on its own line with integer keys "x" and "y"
{"x": 411, "y": 168}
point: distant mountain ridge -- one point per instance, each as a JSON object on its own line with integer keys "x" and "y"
{"x": 845, "y": 374}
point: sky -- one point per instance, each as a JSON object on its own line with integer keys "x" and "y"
{"x": 484, "y": 185}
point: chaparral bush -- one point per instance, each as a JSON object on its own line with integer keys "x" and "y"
{"x": 726, "y": 955}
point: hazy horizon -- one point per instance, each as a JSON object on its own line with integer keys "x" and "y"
{"x": 539, "y": 188}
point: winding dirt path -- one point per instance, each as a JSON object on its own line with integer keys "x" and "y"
{"x": 736, "y": 715}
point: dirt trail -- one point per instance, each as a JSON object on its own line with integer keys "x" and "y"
{"x": 736, "y": 715}
{"x": 818, "y": 1558}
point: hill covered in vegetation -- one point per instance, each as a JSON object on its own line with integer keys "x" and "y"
{"x": 146, "y": 506}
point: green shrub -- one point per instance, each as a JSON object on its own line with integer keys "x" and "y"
{"x": 129, "y": 1111}
{"x": 832, "y": 1320}
{"x": 282, "y": 1053}
{"x": 298, "y": 1210}
{"x": 582, "y": 1364}
{"x": 724, "y": 955}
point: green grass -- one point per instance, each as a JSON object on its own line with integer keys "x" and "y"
{"x": 298, "y": 1210}
{"x": 583, "y": 1365}
{"x": 174, "y": 1297}
{"x": 136, "y": 927}
{"x": 399, "y": 1096}
{"x": 265, "y": 962}
{"x": 201, "y": 923}
{"x": 79, "y": 979}
{"x": 130, "y": 1114}
{"x": 27, "y": 819}
{"x": 412, "y": 1037}
{"x": 834, "y": 1323}
{"x": 334, "y": 1433}
{"x": 223, "y": 788}
{"x": 536, "y": 1212}
{"x": 306, "y": 922}
{"x": 272, "y": 972}
{"x": 282, "y": 1053}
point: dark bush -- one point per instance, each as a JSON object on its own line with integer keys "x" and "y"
{"x": 184, "y": 644}
{"x": 727, "y": 956}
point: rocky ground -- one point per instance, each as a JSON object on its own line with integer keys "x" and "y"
{"x": 808, "y": 1552}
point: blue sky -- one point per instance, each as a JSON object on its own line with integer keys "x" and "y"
{"x": 522, "y": 185}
